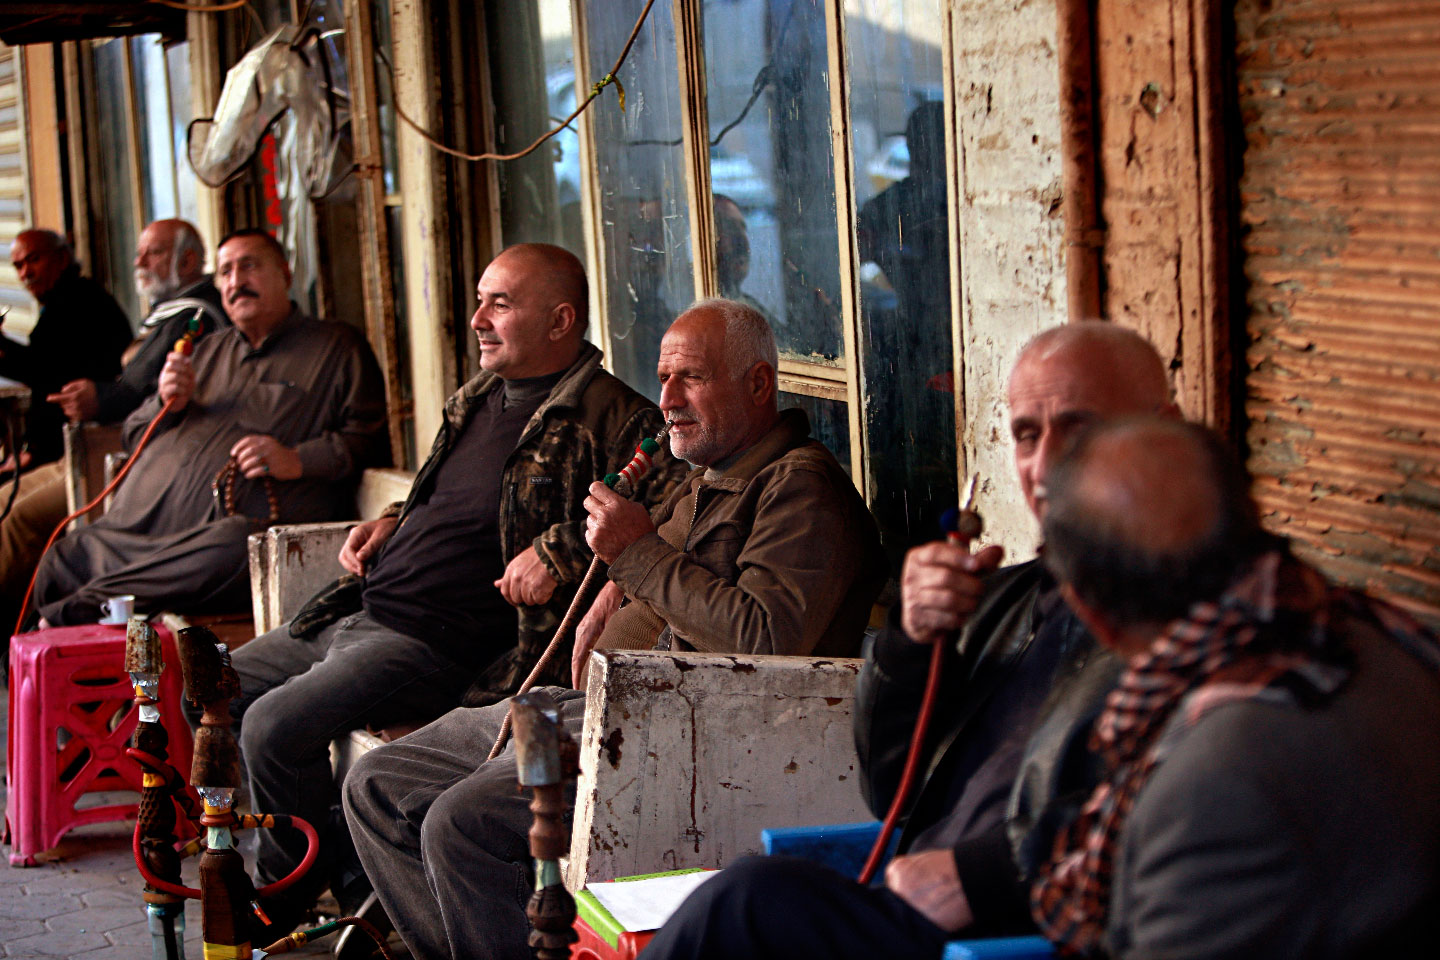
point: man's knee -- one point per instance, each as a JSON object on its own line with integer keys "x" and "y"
{"x": 275, "y": 729}
{"x": 466, "y": 816}
{"x": 363, "y": 794}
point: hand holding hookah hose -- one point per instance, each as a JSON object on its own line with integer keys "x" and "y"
{"x": 960, "y": 526}
{"x": 630, "y": 475}
{"x": 186, "y": 346}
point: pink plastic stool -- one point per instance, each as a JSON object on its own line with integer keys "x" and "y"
{"x": 73, "y": 678}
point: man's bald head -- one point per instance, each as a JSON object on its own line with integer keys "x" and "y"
{"x": 558, "y": 273}
{"x": 1071, "y": 376}
{"x": 1148, "y": 516}
{"x": 40, "y": 258}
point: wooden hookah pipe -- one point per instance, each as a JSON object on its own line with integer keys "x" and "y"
{"x": 161, "y": 789}
{"x": 546, "y": 757}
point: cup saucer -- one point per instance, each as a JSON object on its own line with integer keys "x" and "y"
{"x": 110, "y": 622}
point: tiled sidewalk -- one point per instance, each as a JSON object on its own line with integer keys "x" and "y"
{"x": 84, "y": 899}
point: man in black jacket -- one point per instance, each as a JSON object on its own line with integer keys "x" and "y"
{"x": 1011, "y": 642}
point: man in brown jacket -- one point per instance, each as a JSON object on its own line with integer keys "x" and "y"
{"x": 765, "y": 548}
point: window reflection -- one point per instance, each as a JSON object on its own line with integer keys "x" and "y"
{"x": 121, "y": 220}
{"x": 644, "y": 219}
{"x": 829, "y": 422}
{"x": 898, "y": 123}
{"x": 772, "y": 169}
{"x": 532, "y": 71}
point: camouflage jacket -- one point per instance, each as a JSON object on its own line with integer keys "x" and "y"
{"x": 588, "y": 427}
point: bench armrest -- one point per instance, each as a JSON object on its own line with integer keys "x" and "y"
{"x": 289, "y": 564}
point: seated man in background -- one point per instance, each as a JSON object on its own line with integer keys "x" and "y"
{"x": 1271, "y": 777}
{"x": 490, "y": 541}
{"x": 271, "y": 420}
{"x": 765, "y": 548}
{"x": 170, "y": 274}
{"x": 81, "y": 332}
{"x": 1010, "y": 645}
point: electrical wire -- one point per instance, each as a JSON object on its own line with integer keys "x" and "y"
{"x": 595, "y": 89}
{"x": 201, "y": 7}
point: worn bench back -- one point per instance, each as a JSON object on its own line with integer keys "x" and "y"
{"x": 684, "y": 756}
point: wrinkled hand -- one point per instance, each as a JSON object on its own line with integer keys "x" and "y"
{"x": 526, "y": 580}
{"x": 364, "y": 541}
{"x": 930, "y": 883}
{"x": 607, "y": 601}
{"x": 940, "y": 587}
{"x": 262, "y": 456}
{"x": 177, "y": 380}
{"x": 77, "y": 399}
{"x": 614, "y": 522}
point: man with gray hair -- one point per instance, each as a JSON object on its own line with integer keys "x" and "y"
{"x": 765, "y": 548}
{"x": 1269, "y": 777}
{"x": 170, "y": 275}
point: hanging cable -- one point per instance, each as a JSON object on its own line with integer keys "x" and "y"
{"x": 595, "y": 88}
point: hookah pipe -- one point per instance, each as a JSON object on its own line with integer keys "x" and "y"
{"x": 185, "y": 345}
{"x": 161, "y": 789}
{"x": 630, "y": 475}
{"x": 546, "y": 757}
{"x": 960, "y": 526}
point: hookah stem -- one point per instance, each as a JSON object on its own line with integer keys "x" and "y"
{"x": 961, "y": 527}
{"x": 632, "y": 472}
{"x": 99, "y": 497}
{"x": 301, "y": 937}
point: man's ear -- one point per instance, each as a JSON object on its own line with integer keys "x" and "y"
{"x": 760, "y": 382}
{"x": 1096, "y": 622}
{"x": 189, "y": 265}
{"x": 562, "y": 321}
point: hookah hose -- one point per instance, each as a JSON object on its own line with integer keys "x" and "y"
{"x": 638, "y": 466}
{"x": 960, "y": 526}
{"x": 99, "y": 498}
{"x": 185, "y": 345}
{"x": 241, "y": 822}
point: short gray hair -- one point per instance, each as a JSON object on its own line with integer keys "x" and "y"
{"x": 187, "y": 240}
{"x": 748, "y": 337}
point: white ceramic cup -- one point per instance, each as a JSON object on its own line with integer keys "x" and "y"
{"x": 117, "y": 609}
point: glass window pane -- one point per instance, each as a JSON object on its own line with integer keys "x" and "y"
{"x": 829, "y": 422}
{"x": 644, "y": 219}
{"x": 122, "y": 226}
{"x": 177, "y": 58}
{"x": 772, "y": 169}
{"x": 897, "y": 119}
{"x": 157, "y": 149}
{"x": 532, "y": 71}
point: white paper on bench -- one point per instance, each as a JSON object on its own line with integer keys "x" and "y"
{"x": 640, "y": 905}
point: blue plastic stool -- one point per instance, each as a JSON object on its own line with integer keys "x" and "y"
{"x": 843, "y": 847}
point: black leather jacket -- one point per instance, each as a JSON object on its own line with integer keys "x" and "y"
{"x": 888, "y": 699}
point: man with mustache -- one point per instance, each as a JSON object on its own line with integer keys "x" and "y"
{"x": 455, "y": 593}
{"x": 170, "y": 274}
{"x": 296, "y": 403}
{"x": 765, "y": 548}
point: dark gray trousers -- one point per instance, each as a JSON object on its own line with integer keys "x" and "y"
{"x": 442, "y": 833}
{"x": 297, "y": 696}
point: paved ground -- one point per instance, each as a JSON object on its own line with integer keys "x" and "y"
{"x": 84, "y": 899}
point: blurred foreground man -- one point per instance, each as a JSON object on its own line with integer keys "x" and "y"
{"x": 1271, "y": 782}
{"x": 1010, "y": 645}
{"x": 765, "y": 548}
{"x": 272, "y": 420}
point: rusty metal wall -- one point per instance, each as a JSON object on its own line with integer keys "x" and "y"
{"x": 1340, "y": 218}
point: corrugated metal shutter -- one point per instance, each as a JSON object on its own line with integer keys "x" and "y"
{"x": 1341, "y": 217}
{"x": 14, "y": 197}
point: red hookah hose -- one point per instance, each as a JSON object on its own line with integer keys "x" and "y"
{"x": 312, "y": 850}
{"x": 912, "y": 763}
{"x": 109, "y": 488}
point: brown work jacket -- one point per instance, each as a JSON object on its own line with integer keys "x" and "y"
{"x": 781, "y": 556}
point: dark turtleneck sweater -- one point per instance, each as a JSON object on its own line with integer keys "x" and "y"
{"x": 434, "y": 580}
